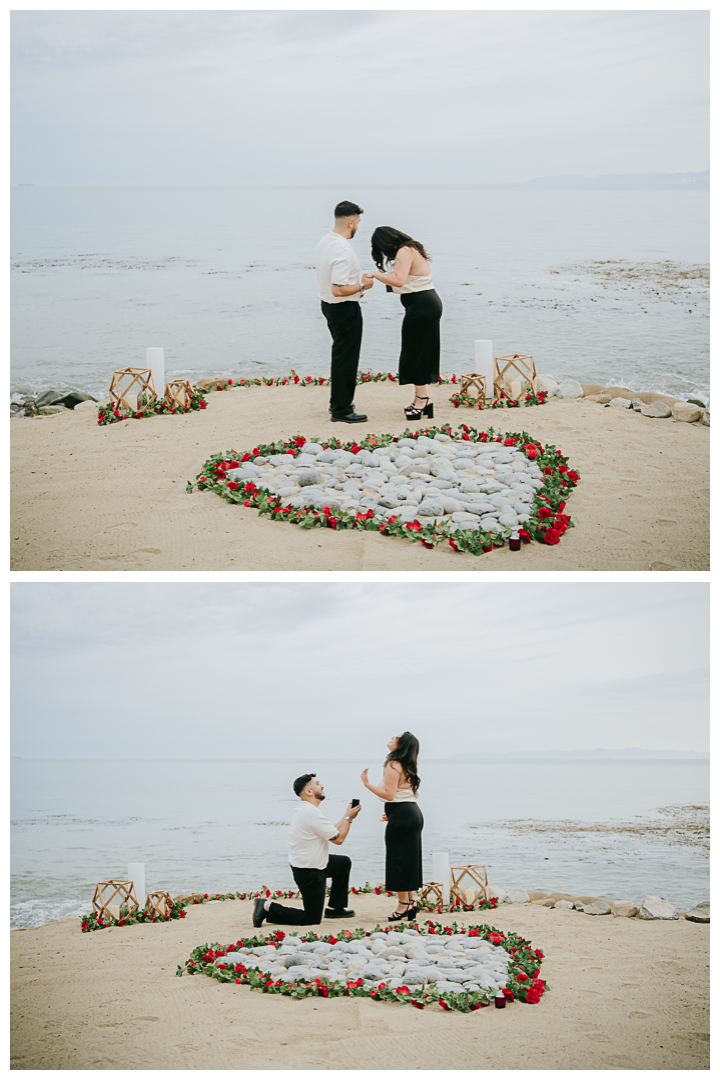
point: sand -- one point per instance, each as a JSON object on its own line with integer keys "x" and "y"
{"x": 113, "y": 498}
{"x": 624, "y": 994}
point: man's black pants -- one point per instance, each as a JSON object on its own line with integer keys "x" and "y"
{"x": 311, "y": 884}
{"x": 345, "y": 325}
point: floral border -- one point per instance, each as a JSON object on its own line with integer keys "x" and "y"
{"x": 546, "y": 524}
{"x": 109, "y": 413}
{"x": 93, "y": 922}
{"x": 524, "y": 982}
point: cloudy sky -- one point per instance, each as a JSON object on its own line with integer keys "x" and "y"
{"x": 243, "y": 671}
{"x": 372, "y": 97}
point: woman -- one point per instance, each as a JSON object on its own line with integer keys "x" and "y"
{"x": 403, "y": 835}
{"x": 412, "y": 279}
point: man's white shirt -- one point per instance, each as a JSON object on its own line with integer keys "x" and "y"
{"x": 310, "y": 833}
{"x": 336, "y": 264}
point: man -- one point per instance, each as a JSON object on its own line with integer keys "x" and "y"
{"x": 311, "y": 865}
{"x": 340, "y": 289}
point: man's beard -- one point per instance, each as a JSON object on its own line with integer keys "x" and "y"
{"x": 320, "y": 797}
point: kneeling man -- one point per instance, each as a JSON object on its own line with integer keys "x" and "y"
{"x": 310, "y": 862}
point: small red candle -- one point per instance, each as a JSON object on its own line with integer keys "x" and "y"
{"x": 514, "y": 542}
{"x": 500, "y": 1001}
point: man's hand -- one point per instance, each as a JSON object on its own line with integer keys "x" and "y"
{"x": 368, "y": 281}
{"x": 353, "y": 811}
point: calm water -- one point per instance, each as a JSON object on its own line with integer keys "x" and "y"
{"x": 222, "y": 827}
{"x": 605, "y": 285}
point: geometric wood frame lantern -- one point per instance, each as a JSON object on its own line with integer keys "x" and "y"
{"x": 521, "y": 366}
{"x": 179, "y": 392}
{"x": 142, "y": 378}
{"x": 476, "y": 873}
{"x": 479, "y": 382}
{"x": 159, "y": 902}
{"x": 111, "y": 896}
{"x": 432, "y": 892}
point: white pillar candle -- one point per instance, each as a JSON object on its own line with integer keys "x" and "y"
{"x": 136, "y": 874}
{"x": 485, "y": 363}
{"x": 155, "y": 359}
{"x": 441, "y": 872}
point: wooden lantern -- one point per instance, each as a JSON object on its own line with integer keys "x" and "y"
{"x": 478, "y": 382}
{"x": 159, "y": 902}
{"x": 112, "y": 896}
{"x": 129, "y": 384}
{"x": 432, "y": 893}
{"x": 179, "y": 392}
{"x": 476, "y": 873}
{"x": 512, "y": 369}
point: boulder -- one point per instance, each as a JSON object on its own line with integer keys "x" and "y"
{"x": 68, "y": 398}
{"x": 592, "y": 389}
{"x": 620, "y": 402}
{"x": 686, "y": 412}
{"x": 569, "y": 388}
{"x": 518, "y": 896}
{"x": 499, "y": 894}
{"x": 706, "y": 416}
{"x": 547, "y": 902}
{"x": 599, "y": 399}
{"x": 657, "y": 409}
{"x": 89, "y": 404}
{"x": 534, "y": 895}
{"x": 624, "y": 909}
{"x": 701, "y": 913}
{"x": 564, "y": 905}
{"x": 562, "y": 896}
{"x": 544, "y": 382}
{"x": 598, "y": 908}
{"x": 654, "y": 907}
{"x": 646, "y": 396}
{"x": 637, "y": 404}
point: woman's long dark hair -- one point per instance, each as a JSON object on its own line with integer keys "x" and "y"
{"x": 406, "y": 754}
{"x": 386, "y": 242}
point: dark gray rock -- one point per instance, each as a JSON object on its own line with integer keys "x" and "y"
{"x": 68, "y": 398}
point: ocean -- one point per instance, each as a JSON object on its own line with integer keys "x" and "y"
{"x": 621, "y": 829}
{"x": 606, "y": 285}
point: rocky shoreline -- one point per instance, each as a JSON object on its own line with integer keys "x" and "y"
{"x": 648, "y": 403}
{"x": 651, "y": 907}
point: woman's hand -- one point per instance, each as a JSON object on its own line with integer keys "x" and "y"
{"x": 384, "y": 817}
{"x": 364, "y": 777}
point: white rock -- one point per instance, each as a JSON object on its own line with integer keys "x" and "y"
{"x": 656, "y": 409}
{"x": 499, "y": 894}
{"x": 624, "y": 909}
{"x": 544, "y": 382}
{"x": 654, "y": 907}
{"x": 569, "y": 388}
{"x": 564, "y": 905}
{"x": 598, "y": 907}
{"x": 621, "y": 403}
{"x": 518, "y": 896}
{"x": 684, "y": 411}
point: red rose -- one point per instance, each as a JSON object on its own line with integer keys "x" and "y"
{"x": 232, "y": 485}
{"x": 521, "y": 976}
{"x": 552, "y": 536}
{"x": 531, "y": 453}
{"x": 544, "y": 512}
{"x": 533, "y": 996}
{"x": 573, "y": 476}
{"x": 509, "y": 994}
{"x": 417, "y": 1004}
{"x": 444, "y": 1005}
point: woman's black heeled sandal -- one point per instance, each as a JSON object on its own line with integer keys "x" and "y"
{"x": 397, "y": 916}
{"x": 413, "y": 412}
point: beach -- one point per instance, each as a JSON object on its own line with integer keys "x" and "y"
{"x": 90, "y": 498}
{"x": 622, "y": 994}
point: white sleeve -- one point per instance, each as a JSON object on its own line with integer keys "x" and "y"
{"x": 323, "y": 827}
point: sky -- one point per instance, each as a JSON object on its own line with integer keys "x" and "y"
{"x": 201, "y": 671}
{"x": 372, "y": 97}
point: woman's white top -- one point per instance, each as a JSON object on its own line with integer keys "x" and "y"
{"x": 405, "y": 794}
{"x": 416, "y": 283}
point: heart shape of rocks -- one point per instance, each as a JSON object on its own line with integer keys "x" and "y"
{"x": 473, "y": 489}
{"x": 461, "y": 968}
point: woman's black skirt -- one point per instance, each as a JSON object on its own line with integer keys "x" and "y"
{"x": 420, "y": 340}
{"x": 403, "y": 845}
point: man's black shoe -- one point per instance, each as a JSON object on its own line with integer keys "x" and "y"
{"x": 348, "y": 418}
{"x": 338, "y": 913}
{"x": 259, "y": 912}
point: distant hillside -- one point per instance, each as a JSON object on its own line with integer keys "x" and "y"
{"x": 634, "y": 178}
{"x": 633, "y": 753}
